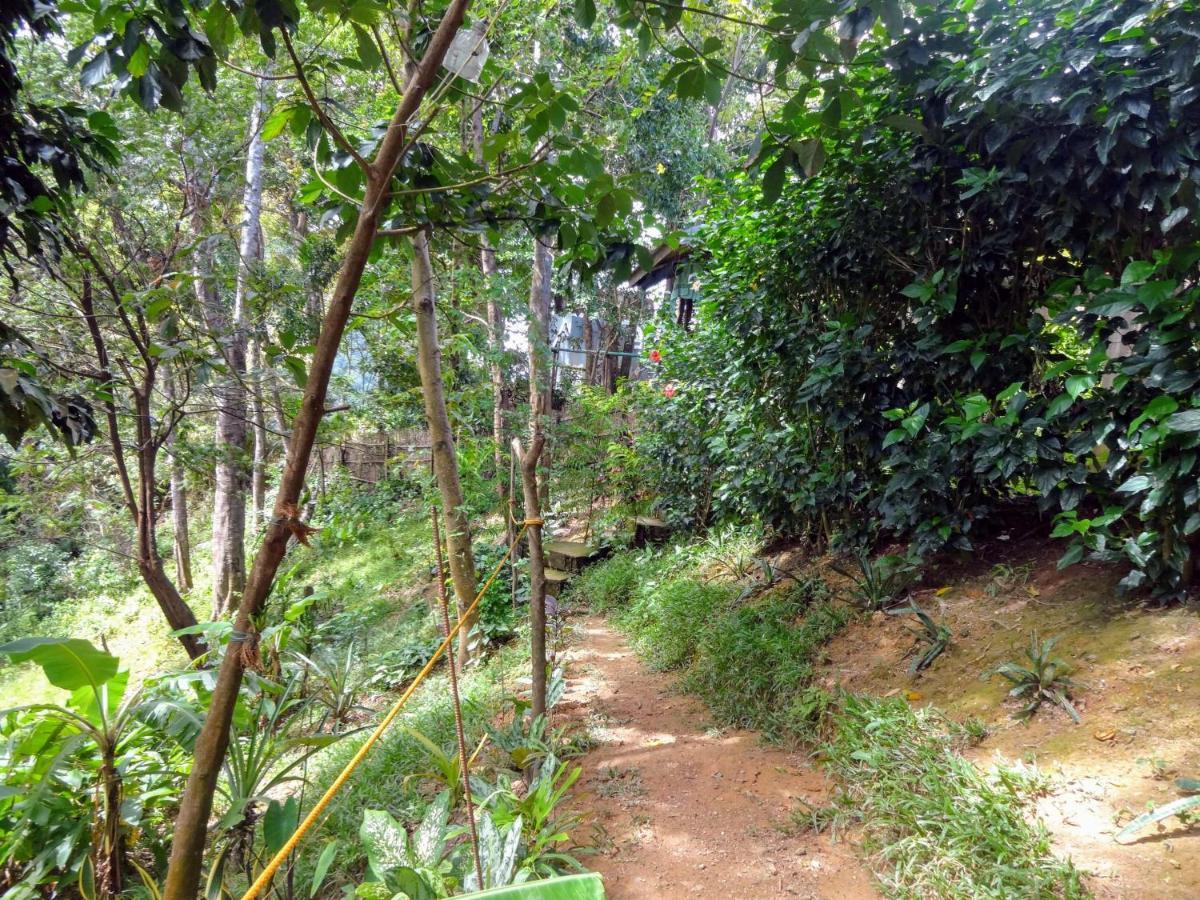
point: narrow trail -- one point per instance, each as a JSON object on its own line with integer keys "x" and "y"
{"x": 682, "y": 810}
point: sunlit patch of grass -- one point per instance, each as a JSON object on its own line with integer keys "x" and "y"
{"x": 935, "y": 825}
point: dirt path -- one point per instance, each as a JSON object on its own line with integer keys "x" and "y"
{"x": 681, "y": 810}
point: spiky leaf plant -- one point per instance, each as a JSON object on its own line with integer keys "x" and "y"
{"x": 1044, "y": 680}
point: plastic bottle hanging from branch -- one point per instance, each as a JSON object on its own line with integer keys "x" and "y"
{"x": 468, "y": 52}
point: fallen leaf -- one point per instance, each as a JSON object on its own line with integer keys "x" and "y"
{"x": 943, "y": 591}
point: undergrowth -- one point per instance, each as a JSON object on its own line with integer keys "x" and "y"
{"x": 940, "y": 827}
{"x": 936, "y": 826}
{"x": 754, "y": 665}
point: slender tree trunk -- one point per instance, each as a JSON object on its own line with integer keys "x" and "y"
{"x": 232, "y": 477}
{"x": 441, "y": 438}
{"x": 140, "y": 504}
{"x": 727, "y": 87}
{"x": 540, "y": 357}
{"x": 191, "y": 825}
{"x": 258, "y": 477}
{"x": 150, "y": 565}
{"x": 179, "y": 505}
{"x": 589, "y": 359}
{"x": 495, "y": 318}
{"x": 539, "y": 407}
{"x": 537, "y": 572}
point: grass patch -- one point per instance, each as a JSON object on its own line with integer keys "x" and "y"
{"x": 665, "y": 618}
{"x": 611, "y": 583}
{"x": 755, "y": 663}
{"x": 936, "y": 825}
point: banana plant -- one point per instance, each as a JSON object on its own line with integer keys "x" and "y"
{"x": 96, "y": 726}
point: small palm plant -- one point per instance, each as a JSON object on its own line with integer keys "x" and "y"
{"x": 932, "y": 638}
{"x": 1044, "y": 680}
{"x": 881, "y": 581}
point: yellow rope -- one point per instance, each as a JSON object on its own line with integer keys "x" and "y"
{"x": 268, "y": 873}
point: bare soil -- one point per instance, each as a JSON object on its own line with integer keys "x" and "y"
{"x": 679, "y": 809}
{"x": 1138, "y": 675}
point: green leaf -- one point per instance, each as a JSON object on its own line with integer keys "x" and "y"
{"x": 773, "y": 178}
{"x": 1186, "y": 421}
{"x": 1135, "y": 484}
{"x": 1137, "y": 272}
{"x": 139, "y": 61}
{"x": 279, "y": 823}
{"x": 606, "y": 210}
{"x": 585, "y": 12}
{"x": 811, "y": 156}
{"x": 1073, "y": 555}
{"x": 1174, "y": 808}
{"x": 321, "y": 869}
{"x": 277, "y": 121}
{"x": 368, "y": 52}
{"x": 895, "y": 436}
{"x": 95, "y": 71}
{"x": 296, "y": 369}
{"x": 68, "y": 663}
{"x": 1077, "y": 384}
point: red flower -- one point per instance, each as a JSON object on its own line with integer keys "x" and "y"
{"x": 669, "y": 391}
{"x": 655, "y": 356}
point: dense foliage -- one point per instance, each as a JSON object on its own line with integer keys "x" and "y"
{"x": 986, "y": 295}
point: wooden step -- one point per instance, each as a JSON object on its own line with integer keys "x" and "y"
{"x": 649, "y": 530}
{"x": 570, "y": 556}
{"x": 555, "y": 578}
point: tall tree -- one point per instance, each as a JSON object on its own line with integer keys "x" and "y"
{"x": 191, "y": 825}
{"x": 441, "y": 437}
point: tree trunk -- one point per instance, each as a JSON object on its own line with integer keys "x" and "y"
{"x": 191, "y": 825}
{"x": 150, "y": 565}
{"x": 495, "y": 318}
{"x": 537, "y": 573}
{"x": 258, "y": 476}
{"x": 540, "y": 295}
{"x": 179, "y": 505}
{"x": 441, "y": 438}
{"x": 140, "y": 504}
{"x": 540, "y": 358}
{"x": 232, "y": 477}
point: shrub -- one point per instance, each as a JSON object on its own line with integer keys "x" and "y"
{"x": 665, "y": 619}
{"x": 754, "y": 664}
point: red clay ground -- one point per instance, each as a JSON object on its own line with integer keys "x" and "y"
{"x": 680, "y": 810}
{"x": 1139, "y": 698}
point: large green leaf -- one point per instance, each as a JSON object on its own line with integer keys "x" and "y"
{"x": 68, "y": 663}
{"x": 586, "y": 886}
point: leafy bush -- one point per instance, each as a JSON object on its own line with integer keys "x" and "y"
{"x": 754, "y": 664}
{"x": 987, "y": 295}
